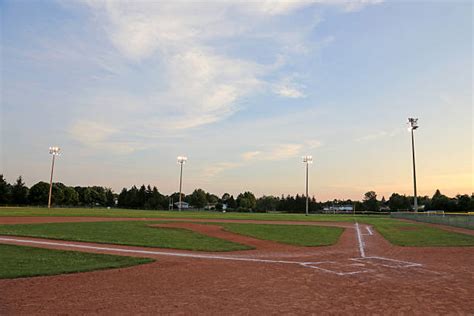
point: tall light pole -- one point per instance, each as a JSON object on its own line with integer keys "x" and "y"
{"x": 55, "y": 152}
{"x": 307, "y": 160}
{"x": 413, "y": 125}
{"x": 181, "y": 160}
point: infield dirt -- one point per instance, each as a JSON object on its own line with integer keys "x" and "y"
{"x": 440, "y": 281}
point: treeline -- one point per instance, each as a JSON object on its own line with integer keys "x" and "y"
{"x": 19, "y": 194}
{"x": 147, "y": 197}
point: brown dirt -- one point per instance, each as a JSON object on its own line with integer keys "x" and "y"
{"x": 176, "y": 285}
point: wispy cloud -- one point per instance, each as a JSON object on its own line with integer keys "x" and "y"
{"x": 270, "y": 153}
{"x": 215, "y": 169}
{"x": 378, "y": 135}
{"x": 179, "y": 43}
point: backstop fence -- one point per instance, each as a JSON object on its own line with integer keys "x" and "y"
{"x": 456, "y": 219}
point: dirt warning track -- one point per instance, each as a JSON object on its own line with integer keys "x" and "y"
{"x": 362, "y": 274}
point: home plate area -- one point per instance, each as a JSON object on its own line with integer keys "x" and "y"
{"x": 358, "y": 265}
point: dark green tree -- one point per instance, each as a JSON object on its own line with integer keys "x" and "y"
{"x": 19, "y": 192}
{"x": 246, "y": 201}
{"x": 267, "y": 203}
{"x": 70, "y": 196}
{"x": 398, "y": 202}
{"x": 5, "y": 191}
{"x": 39, "y": 193}
{"x": 370, "y": 201}
{"x": 198, "y": 198}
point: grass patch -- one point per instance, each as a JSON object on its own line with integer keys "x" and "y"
{"x": 426, "y": 236}
{"x": 101, "y": 212}
{"x": 21, "y": 261}
{"x": 123, "y": 233}
{"x": 419, "y": 235}
{"x": 288, "y": 234}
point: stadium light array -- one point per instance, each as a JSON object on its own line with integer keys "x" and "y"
{"x": 181, "y": 161}
{"x": 307, "y": 160}
{"x": 413, "y": 125}
{"x": 54, "y": 151}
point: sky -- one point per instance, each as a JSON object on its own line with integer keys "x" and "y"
{"x": 243, "y": 89}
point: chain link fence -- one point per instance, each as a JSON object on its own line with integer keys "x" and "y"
{"x": 457, "y": 220}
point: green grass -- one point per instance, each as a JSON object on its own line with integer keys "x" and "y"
{"x": 21, "y": 261}
{"x": 429, "y": 236}
{"x": 123, "y": 233}
{"x": 298, "y": 235}
{"x": 419, "y": 235}
{"x": 101, "y": 212}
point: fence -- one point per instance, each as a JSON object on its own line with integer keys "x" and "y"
{"x": 457, "y": 219}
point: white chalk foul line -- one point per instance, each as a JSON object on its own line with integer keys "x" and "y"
{"x": 161, "y": 253}
{"x": 311, "y": 265}
{"x": 369, "y": 230}
{"x": 361, "y": 242}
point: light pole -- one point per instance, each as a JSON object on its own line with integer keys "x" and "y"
{"x": 55, "y": 152}
{"x": 412, "y": 125}
{"x": 307, "y": 160}
{"x": 181, "y": 160}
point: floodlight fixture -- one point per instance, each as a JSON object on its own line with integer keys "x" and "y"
{"x": 54, "y": 151}
{"x": 181, "y": 161}
{"x": 413, "y": 125}
{"x": 307, "y": 160}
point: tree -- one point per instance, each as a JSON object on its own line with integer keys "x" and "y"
{"x": 109, "y": 197}
{"x": 225, "y": 197}
{"x": 70, "y": 196}
{"x": 57, "y": 195}
{"x": 5, "y": 191}
{"x": 441, "y": 202}
{"x": 267, "y": 203}
{"x": 246, "y": 201}
{"x": 463, "y": 203}
{"x": 231, "y": 203}
{"x": 398, "y": 202}
{"x": 198, "y": 198}
{"x": 19, "y": 192}
{"x": 39, "y": 193}
{"x": 370, "y": 201}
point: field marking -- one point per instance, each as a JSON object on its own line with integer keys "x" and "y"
{"x": 401, "y": 263}
{"x": 361, "y": 242}
{"x": 311, "y": 265}
{"x": 161, "y": 253}
{"x": 369, "y": 230}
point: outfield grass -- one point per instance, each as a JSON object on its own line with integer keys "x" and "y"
{"x": 419, "y": 235}
{"x": 298, "y": 235}
{"x": 428, "y": 236}
{"x": 124, "y": 233}
{"x": 21, "y": 261}
{"x": 101, "y": 212}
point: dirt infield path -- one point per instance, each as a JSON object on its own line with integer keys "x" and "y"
{"x": 362, "y": 274}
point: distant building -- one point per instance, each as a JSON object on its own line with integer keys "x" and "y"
{"x": 339, "y": 209}
{"x": 184, "y": 205}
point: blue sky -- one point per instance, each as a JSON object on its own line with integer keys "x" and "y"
{"x": 244, "y": 89}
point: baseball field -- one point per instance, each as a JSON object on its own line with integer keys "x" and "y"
{"x": 83, "y": 261}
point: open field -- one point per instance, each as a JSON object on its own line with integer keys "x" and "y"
{"x": 309, "y": 236}
{"x": 22, "y": 261}
{"x": 362, "y": 273}
{"x": 123, "y": 233}
{"x": 102, "y": 212}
